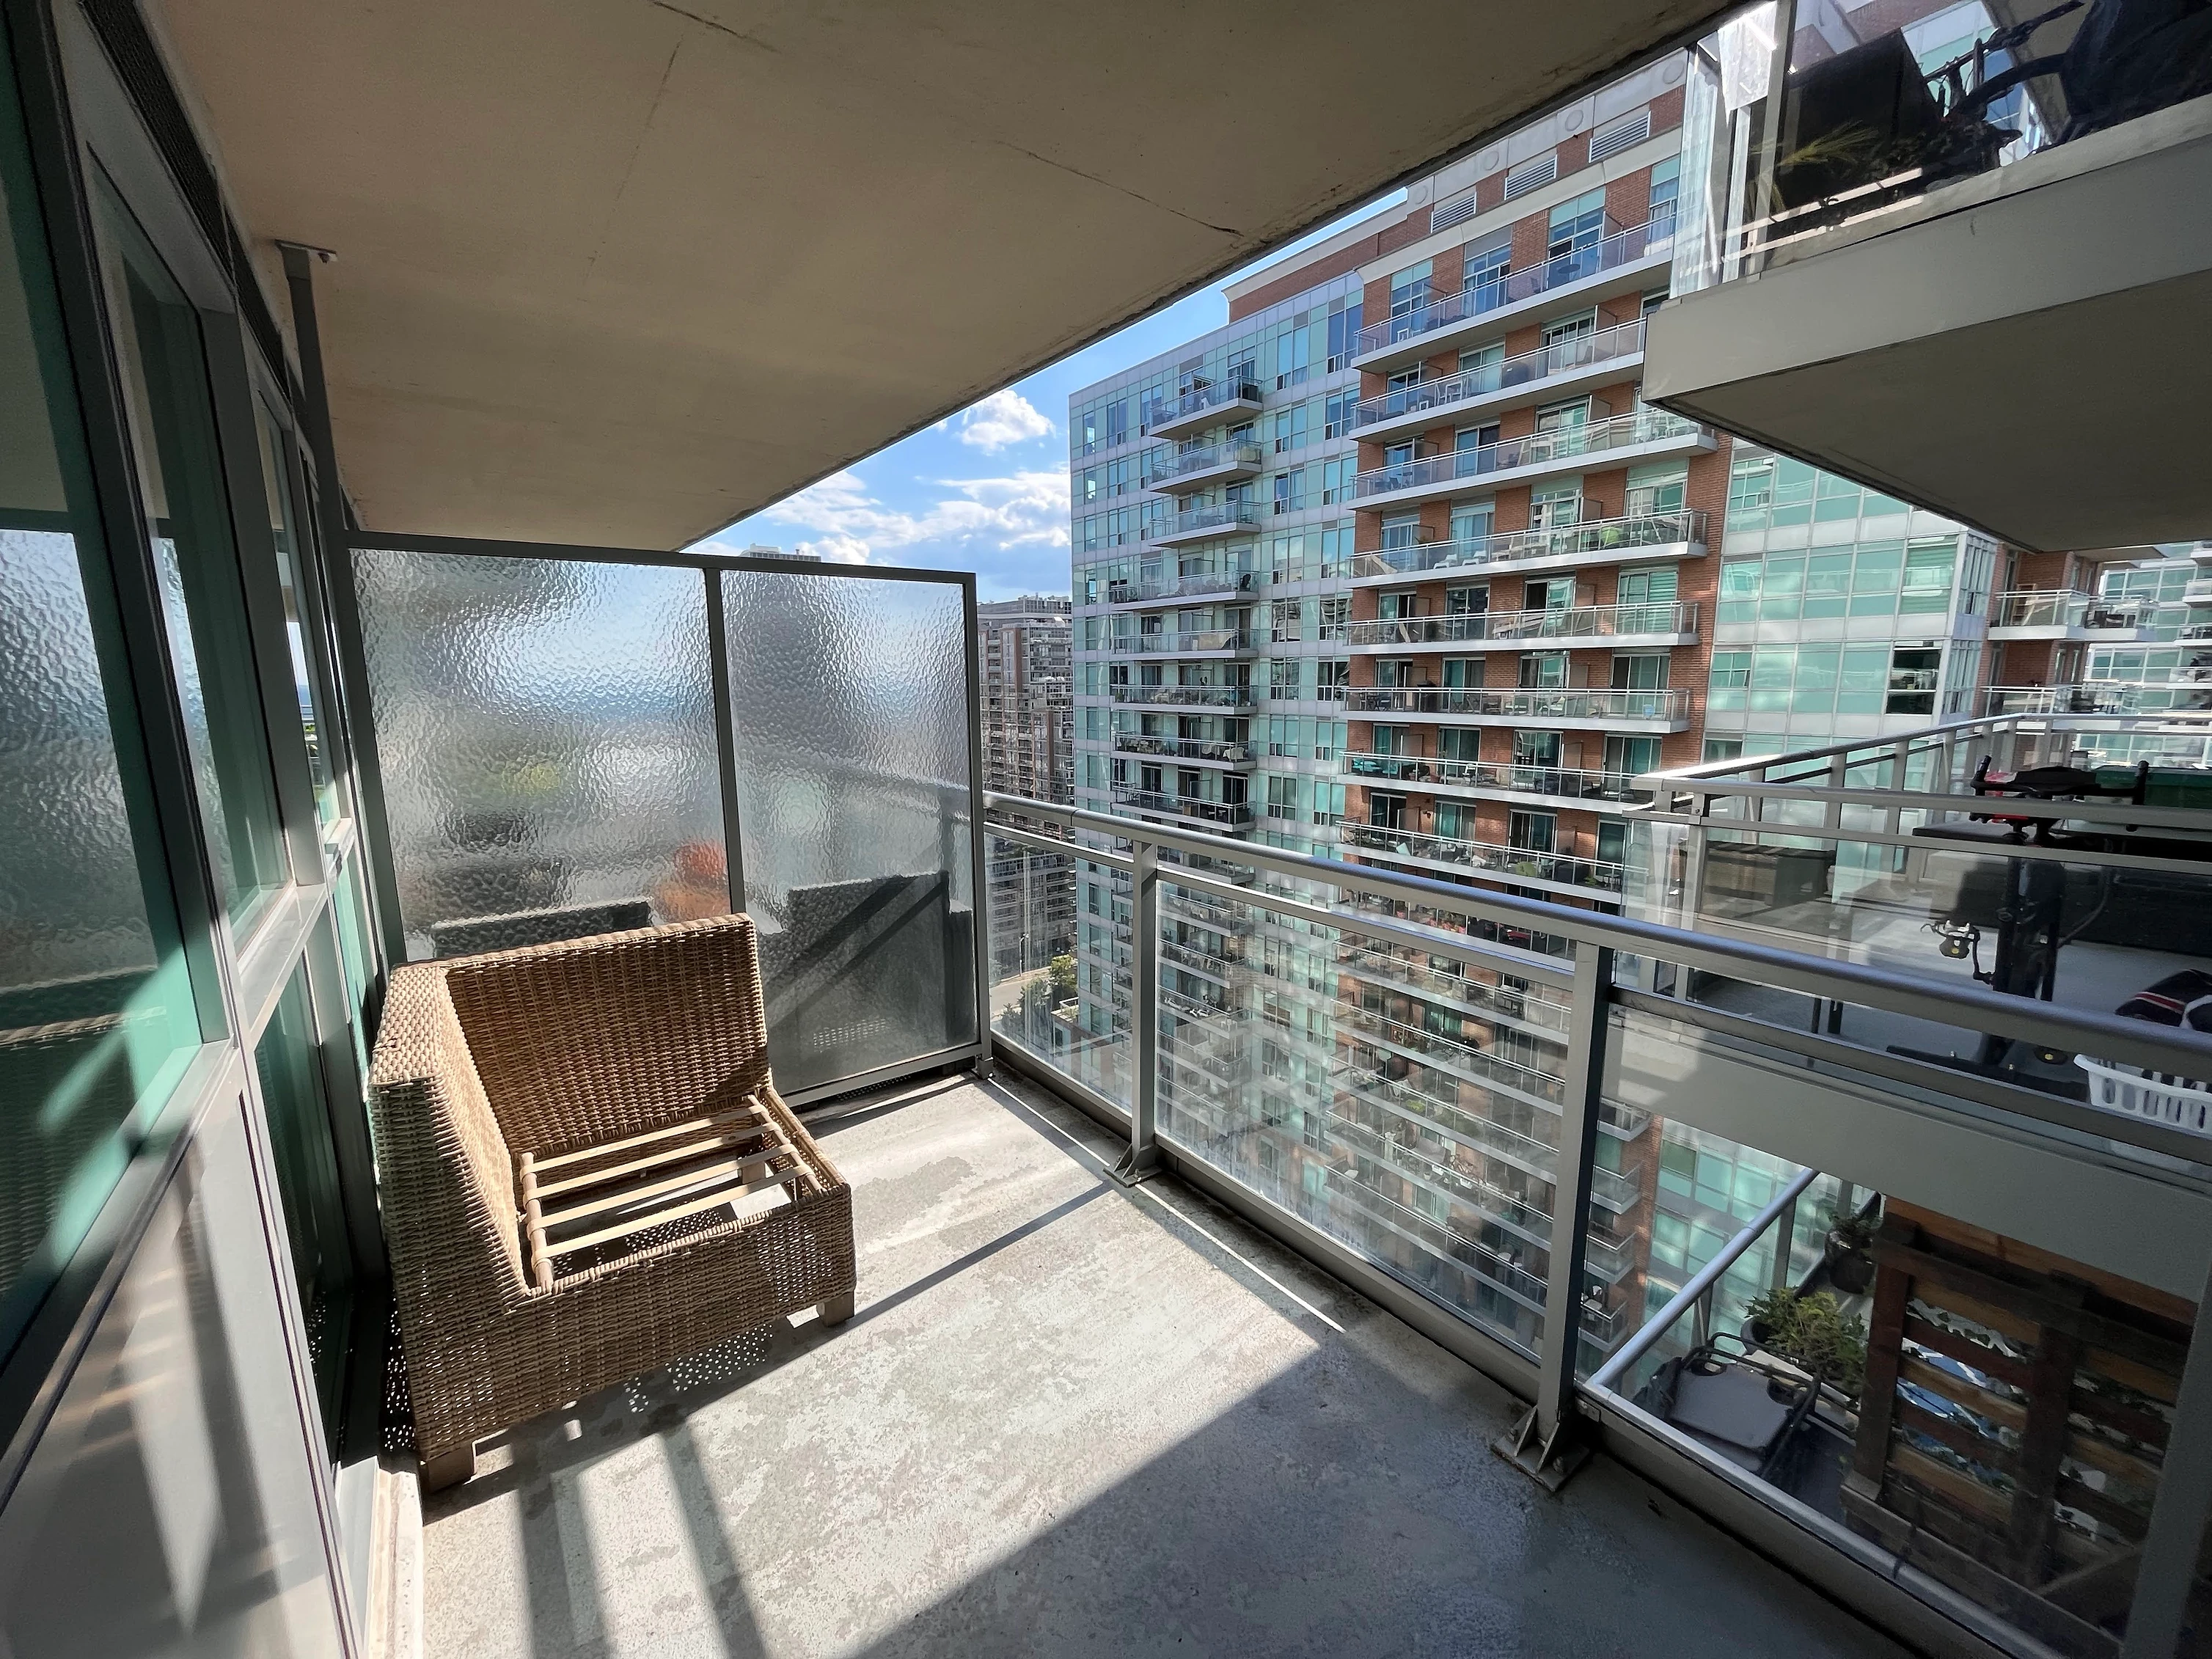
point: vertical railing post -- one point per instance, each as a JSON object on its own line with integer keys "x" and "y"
{"x": 2183, "y": 1509}
{"x": 1143, "y": 1157}
{"x": 1544, "y": 1443}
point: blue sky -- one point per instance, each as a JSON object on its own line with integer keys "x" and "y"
{"x": 986, "y": 489}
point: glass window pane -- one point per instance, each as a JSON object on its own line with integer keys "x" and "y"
{"x": 546, "y": 733}
{"x": 276, "y": 486}
{"x": 97, "y": 1011}
{"x": 849, "y": 697}
{"x": 171, "y": 416}
{"x": 305, "y": 1157}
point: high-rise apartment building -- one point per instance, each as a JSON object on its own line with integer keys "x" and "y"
{"x": 1029, "y": 749}
{"x": 1398, "y": 567}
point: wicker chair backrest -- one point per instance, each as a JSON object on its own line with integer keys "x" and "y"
{"x": 595, "y": 1040}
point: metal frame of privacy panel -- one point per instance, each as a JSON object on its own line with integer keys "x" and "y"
{"x": 558, "y": 741}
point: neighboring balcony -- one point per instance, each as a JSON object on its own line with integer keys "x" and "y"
{"x": 1554, "y": 786}
{"x": 1178, "y": 470}
{"x": 2066, "y": 615}
{"x": 1193, "y": 751}
{"x": 1555, "y": 371}
{"x": 1202, "y": 407}
{"x": 1642, "y": 536}
{"x": 1641, "y": 435}
{"x": 1625, "y": 262}
{"x": 1186, "y": 697}
{"x": 2199, "y": 591}
{"x": 1558, "y": 872}
{"x": 1207, "y": 522}
{"x": 1205, "y": 814}
{"x": 1587, "y": 710}
{"x": 1169, "y": 590}
{"x": 2097, "y": 699}
{"x": 1206, "y": 642}
{"x": 1670, "y": 625}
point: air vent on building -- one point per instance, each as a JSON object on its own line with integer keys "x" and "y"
{"x": 1615, "y": 136}
{"x": 1532, "y": 175}
{"x": 1451, "y": 213}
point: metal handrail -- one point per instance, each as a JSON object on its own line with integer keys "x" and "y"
{"x": 1139, "y": 742}
{"x": 2065, "y": 608}
{"x": 1514, "y": 863}
{"x": 1195, "y": 696}
{"x": 1192, "y": 586}
{"x": 1510, "y": 287}
{"x": 1521, "y": 702}
{"x": 1178, "y": 463}
{"x": 1189, "y": 806}
{"x": 1225, "y": 516}
{"x": 1638, "y": 426}
{"x": 1183, "y": 645}
{"x": 1242, "y": 388}
{"x": 1620, "y": 538}
{"x": 1529, "y": 369}
{"x": 1566, "y": 783}
{"x": 1572, "y": 622}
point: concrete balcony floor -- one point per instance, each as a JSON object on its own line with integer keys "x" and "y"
{"x": 1070, "y": 1418}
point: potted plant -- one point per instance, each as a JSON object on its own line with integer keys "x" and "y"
{"x": 1768, "y": 1318}
{"x": 1811, "y": 1332}
{"x": 1850, "y": 1255}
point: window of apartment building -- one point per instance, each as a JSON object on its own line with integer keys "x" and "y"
{"x": 1629, "y": 758}
{"x": 1543, "y": 670}
{"x": 1800, "y": 679}
{"x": 1563, "y": 333}
{"x": 1471, "y": 520}
{"x": 1282, "y": 797}
{"x": 1400, "y": 379}
{"x": 1152, "y": 779}
{"x": 1396, "y": 607}
{"x": 1343, "y": 333}
{"x": 1576, "y": 225}
{"x": 1328, "y": 802}
{"x": 1666, "y": 186}
{"x": 1557, "y": 505}
{"x": 1532, "y": 832}
{"x": 1767, "y": 490}
{"x": 1465, "y": 601}
{"x": 1872, "y": 579}
{"x": 1332, "y": 612}
{"x": 1290, "y": 491}
{"x": 1462, "y": 673}
{"x": 1284, "y": 618}
{"x": 1458, "y": 743}
{"x": 1087, "y": 489}
{"x": 1394, "y": 671}
{"x": 1482, "y": 366}
{"x": 1454, "y": 821}
{"x": 1336, "y": 477}
{"x": 1286, "y": 736}
{"x": 1928, "y": 567}
{"x": 1652, "y": 590}
{"x": 1391, "y": 740}
{"x": 1721, "y": 749}
{"x": 1401, "y": 454}
{"x": 1332, "y": 677}
{"x": 1660, "y": 486}
{"x": 1401, "y": 529}
{"x": 1913, "y": 680}
{"x": 1540, "y": 749}
{"x": 1961, "y": 675}
{"x": 1639, "y": 670}
{"x": 1293, "y": 357}
{"x": 1564, "y": 416}
{"x": 1386, "y": 811}
{"x": 1409, "y": 289}
{"x": 1484, "y": 264}
{"x": 1336, "y": 413}
{"x": 1481, "y": 437}
{"x": 1290, "y": 428}
{"x": 1244, "y": 366}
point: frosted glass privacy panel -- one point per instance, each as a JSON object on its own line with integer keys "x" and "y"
{"x": 849, "y": 697}
{"x": 545, "y": 732}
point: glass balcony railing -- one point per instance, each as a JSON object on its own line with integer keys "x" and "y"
{"x": 1560, "y": 271}
{"x": 1186, "y": 645}
{"x": 1201, "y": 400}
{"x": 1568, "y": 706}
{"x": 1204, "y": 458}
{"x": 1195, "y": 749}
{"x": 1599, "y": 538}
{"x": 1634, "y": 429}
{"x": 1559, "y": 781}
{"x": 2076, "y": 699}
{"x": 1198, "y": 585}
{"x": 1234, "y": 815}
{"x": 1594, "y": 350}
{"x": 1561, "y": 868}
{"x": 1521, "y": 1005}
{"x": 1594, "y": 621}
{"x": 2066, "y": 610}
{"x": 1213, "y": 520}
{"x": 1186, "y": 697}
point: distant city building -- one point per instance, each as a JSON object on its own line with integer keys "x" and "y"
{"x": 1029, "y": 749}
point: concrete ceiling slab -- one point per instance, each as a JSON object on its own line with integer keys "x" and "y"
{"x": 625, "y": 271}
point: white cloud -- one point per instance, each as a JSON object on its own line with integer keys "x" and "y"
{"x": 1022, "y": 509}
{"x": 1001, "y": 420}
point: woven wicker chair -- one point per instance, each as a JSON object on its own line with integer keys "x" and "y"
{"x": 587, "y": 1173}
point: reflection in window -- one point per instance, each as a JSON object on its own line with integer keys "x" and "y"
{"x": 276, "y": 488}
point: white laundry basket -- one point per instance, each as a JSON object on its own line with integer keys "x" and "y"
{"x": 2179, "y": 1102}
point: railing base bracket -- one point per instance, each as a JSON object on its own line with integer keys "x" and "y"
{"x": 1136, "y": 1168}
{"x": 1547, "y": 1461}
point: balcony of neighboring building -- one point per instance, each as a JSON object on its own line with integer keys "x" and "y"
{"x": 1206, "y": 642}
{"x": 1531, "y": 786}
{"x": 1569, "y": 707}
{"x": 1153, "y": 592}
{"x": 1619, "y": 261}
{"x": 1233, "y": 755}
{"x": 1554, "y": 371}
{"x": 2023, "y": 239}
{"x": 2041, "y": 614}
{"x": 2198, "y": 591}
{"x": 1617, "y": 625}
{"x": 1197, "y": 811}
{"x": 1626, "y": 440}
{"x": 1169, "y": 694}
{"x": 1179, "y": 470}
{"x": 1202, "y": 524}
{"x": 2073, "y": 698}
{"x": 1202, "y": 403}
{"x": 1644, "y": 538}
{"x": 1565, "y": 873}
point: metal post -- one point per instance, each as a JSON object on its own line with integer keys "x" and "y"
{"x": 726, "y": 739}
{"x": 2183, "y": 1509}
{"x": 1543, "y": 1443}
{"x": 1143, "y": 1158}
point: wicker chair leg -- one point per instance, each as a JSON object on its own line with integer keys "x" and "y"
{"x": 447, "y": 1468}
{"x": 836, "y": 1309}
